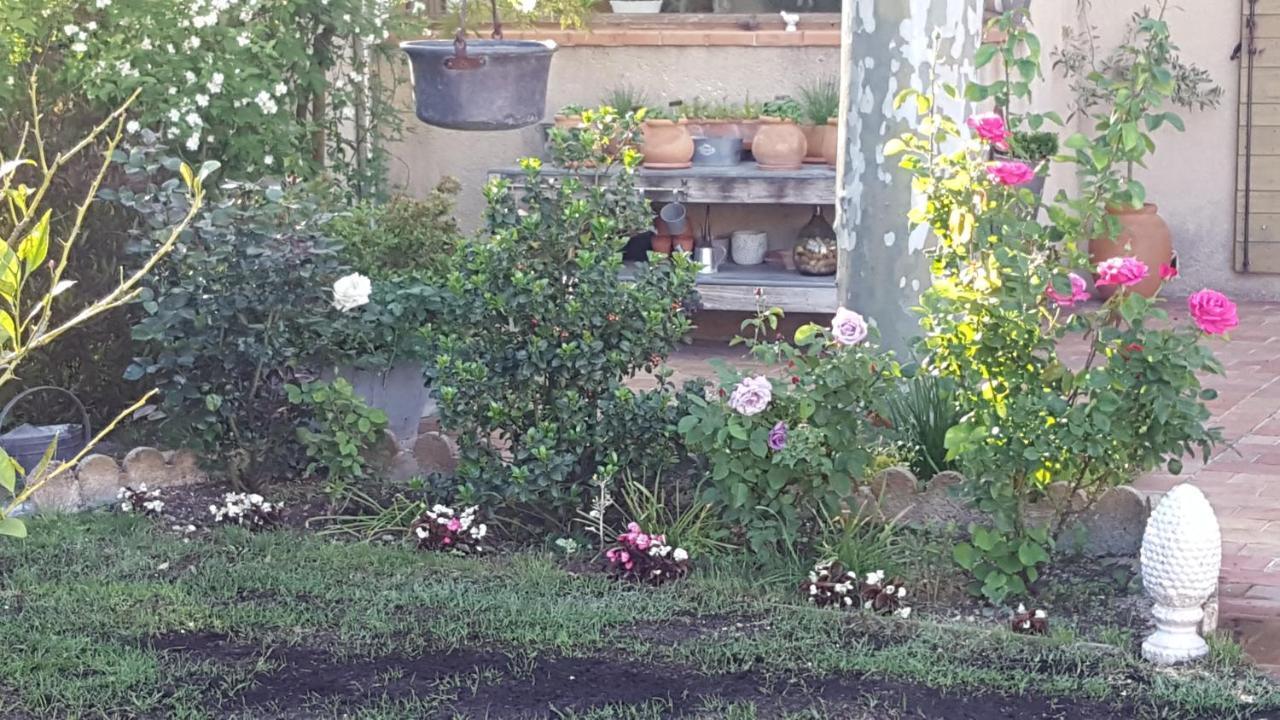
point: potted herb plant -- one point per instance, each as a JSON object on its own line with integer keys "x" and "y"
{"x": 1125, "y": 94}
{"x": 667, "y": 143}
{"x": 569, "y": 117}
{"x": 820, "y": 102}
{"x": 780, "y": 143}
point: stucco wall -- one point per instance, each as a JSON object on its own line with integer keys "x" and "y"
{"x": 1192, "y": 176}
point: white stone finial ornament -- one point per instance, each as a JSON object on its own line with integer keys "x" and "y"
{"x": 1181, "y": 556}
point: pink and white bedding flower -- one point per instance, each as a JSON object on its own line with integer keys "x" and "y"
{"x": 246, "y": 509}
{"x": 441, "y": 528}
{"x": 646, "y": 558}
{"x": 142, "y": 500}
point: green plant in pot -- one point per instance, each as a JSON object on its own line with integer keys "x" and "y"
{"x": 820, "y": 104}
{"x": 1125, "y": 95}
{"x": 667, "y": 144}
{"x": 780, "y": 144}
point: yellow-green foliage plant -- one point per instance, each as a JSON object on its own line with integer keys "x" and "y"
{"x": 33, "y": 273}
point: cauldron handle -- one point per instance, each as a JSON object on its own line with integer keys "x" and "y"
{"x": 84, "y": 414}
{"x": 460, "y": 61}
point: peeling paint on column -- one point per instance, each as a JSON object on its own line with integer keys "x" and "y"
{"x": 889, "y": 45}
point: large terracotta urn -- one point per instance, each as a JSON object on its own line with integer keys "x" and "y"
{"x": 1144, "y": 235}
{"x": 779, "y": 145}
{"x": 667, "y": 145}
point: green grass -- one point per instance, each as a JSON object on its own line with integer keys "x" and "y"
{"x": 81, "y": 597}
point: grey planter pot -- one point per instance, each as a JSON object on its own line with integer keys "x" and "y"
{"x": 400, "y": 392}
{"x": 717, "y": 151}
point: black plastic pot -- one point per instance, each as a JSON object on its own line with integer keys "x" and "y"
{"x": 497, "y": 85}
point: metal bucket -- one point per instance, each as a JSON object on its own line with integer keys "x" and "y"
{"x": 27, "y": 443}
{"x": 717, "y": 151}
{"x": 495, "y": 85}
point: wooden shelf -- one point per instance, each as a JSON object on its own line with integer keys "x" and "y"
{"x": 743, "y": 183}
{"x": 733, "y": 287}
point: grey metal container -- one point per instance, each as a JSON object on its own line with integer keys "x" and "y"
{"x": 717, "y": 151}
{"x": 500, "y": 85}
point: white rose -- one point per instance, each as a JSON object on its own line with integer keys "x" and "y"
{"x": 351, "y": 292}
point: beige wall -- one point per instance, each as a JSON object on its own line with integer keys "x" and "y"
{"x": 1192, "y": 176}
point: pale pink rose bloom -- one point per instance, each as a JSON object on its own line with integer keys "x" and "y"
{"x": 1079, "y": 293}
{"x": 990, "y": 127}
{"x": 1212, "y": 311}
{"x": 1011, "y": 172}
{"x": 1121, "y": 271}
{"x": 848, "y": 327}
{"x": 752, "y": 395}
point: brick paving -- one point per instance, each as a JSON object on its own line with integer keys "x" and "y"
{"x": 1242, "y": 481}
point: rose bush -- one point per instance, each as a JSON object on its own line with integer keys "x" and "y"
{"x": 995, "y": 323}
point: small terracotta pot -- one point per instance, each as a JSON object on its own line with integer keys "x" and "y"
{"x": 683, "y": 242}
{"x": 661, "y": 244}
{"x": 747, "y": 129}
{"x": 667, "y": 145}
{"x": 660, "y": 226}
{"x": 831, "y": 143}
{"x": 779, "y": 145}
{"x": 815, "y": 136}
{"x": 1144, "y": 235}
{"x": 715, "y": 128}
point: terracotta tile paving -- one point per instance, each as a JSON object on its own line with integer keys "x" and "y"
{"x": 1242, "y": 481}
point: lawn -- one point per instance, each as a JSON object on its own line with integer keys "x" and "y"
{"x": 115, "y": 616}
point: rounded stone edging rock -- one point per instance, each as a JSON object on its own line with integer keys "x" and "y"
{"x": 97, "y": 479}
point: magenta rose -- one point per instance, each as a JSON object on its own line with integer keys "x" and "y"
{"x": 848, "y": 327}
{"x": 1011, "y": 172}
{"x": 990, "y": 127}
{"x": 1212, "y": 311}
{"x": 752, "y": 395}
{"x": 1079, "y": 293}
{"x": 1121, "y": 271}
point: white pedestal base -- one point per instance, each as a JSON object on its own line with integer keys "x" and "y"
{"x": 1175, "y": 639}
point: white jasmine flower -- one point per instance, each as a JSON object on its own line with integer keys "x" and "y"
{"x": 351, "y": 292}
{"x": 103, "y": 3}
{"x": 202, "y": 100}
{"x": 242, "y": 39}
{"x": 70, "y": 30}
{"x": 193, "y": 142}
{"x": 79, "y": 47}
{"x": 190, "y": 77}
{"x": 281, "y": 88}
{"x": 91, "y": 26}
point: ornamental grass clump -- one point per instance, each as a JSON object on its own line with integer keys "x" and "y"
{"x": 644, "y": 558}
{"x": 443, "y": 529}
{"x": 1008, "y": 297}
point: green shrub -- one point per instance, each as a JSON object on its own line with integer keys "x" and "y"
{"x": 538, "y": 333}
{"x": 774, "y": 469}
{"x": 402, "y": 237}
{"x": 922, "y": 412}
{"x": 340, "y": 431}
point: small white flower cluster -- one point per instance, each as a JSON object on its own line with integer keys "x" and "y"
{"x": 142, "y": 500}
{"x": 878, "y": 596}
{"x": 1033, "y": 622}
{"x": 246, "y": 509}
{"x": 441, "y": 528}
{"x": 830, "y": 584}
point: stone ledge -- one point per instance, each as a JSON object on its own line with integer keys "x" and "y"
{"x": 663, "y": 37}
{"x": 98, "y": 478}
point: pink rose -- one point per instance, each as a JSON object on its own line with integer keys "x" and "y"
{"x": 752, "y": 395}
{"x": 1011, "y": 172}
{"x": 1078, "y": 292}
{"x": 1121, "y": 271}
{"x": 1168, "y": 272}
{"x": 848, "y": 327}
{"x": 1212, "y": 311}
{"x": 990, "y": 127}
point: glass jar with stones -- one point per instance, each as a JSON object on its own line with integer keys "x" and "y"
{"x": 815, "y": 252}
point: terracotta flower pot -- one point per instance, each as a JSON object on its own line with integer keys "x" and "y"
{"x": 748, "y": 129}
{"x": 1144, "y": 235}
{"x": 683, "y": 242}
{"x": 779, "y": 145}
{"x": 568, "y": 122}
{"x": 667, "y": 145}
{"x": 831, "y": 143}
{"x": 661, "y": 244}
{"x": 815, "y": 136}
{"x": 715, "y": 128}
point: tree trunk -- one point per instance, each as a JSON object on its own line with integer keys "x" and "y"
{"x": 889, "y": 45}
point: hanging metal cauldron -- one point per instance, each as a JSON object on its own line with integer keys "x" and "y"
{"x": 492, "y": 84}
{"x": 27, "y": 443}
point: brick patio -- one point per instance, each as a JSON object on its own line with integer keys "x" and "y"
{"x": 1242, "y": 481}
